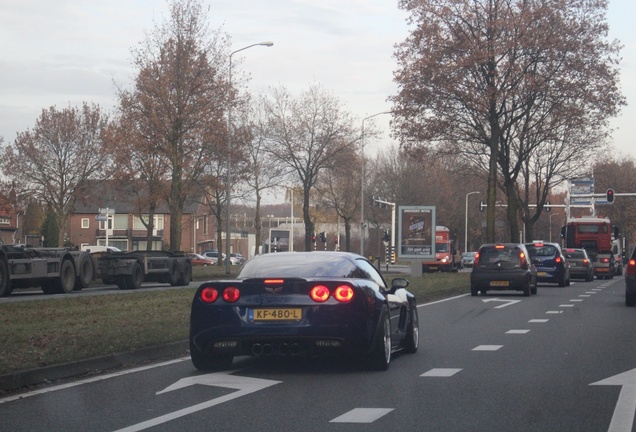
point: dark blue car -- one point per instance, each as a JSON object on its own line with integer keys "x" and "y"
{"x": 303, "y": 304}
{"x": 551, "y": 264}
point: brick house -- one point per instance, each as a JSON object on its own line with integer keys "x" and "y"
{"x": 123, "y": 228}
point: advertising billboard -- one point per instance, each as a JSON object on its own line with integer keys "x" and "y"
{"x": 416, "y": 232}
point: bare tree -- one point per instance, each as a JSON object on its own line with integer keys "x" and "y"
{"x": 177, "y": 105}
{"x": 482, "y": 75}
{"x": 52, "y": 161}
{"x": 306, "y": 134}
{"x": 340, "y": 188}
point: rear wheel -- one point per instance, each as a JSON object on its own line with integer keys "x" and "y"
{"x": 186, "y": 276}
{"x": 206, "y": 362}
{"x": 5, "y": 285}
{"x": 134, "y": 280}
{"x": 86, "y": 271}
{"x": 474, "y": 291}
{"x": 526, "y": 289}
{"x": 65, "y": 283}
{"x": 381, "y": 354}
{"x": 174, "y": 274}
{"x": 413, "y": 333}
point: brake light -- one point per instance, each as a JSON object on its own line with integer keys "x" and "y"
{"x": 476, "y": 260}
{"x": 209, "y": 295}
{"x": 343, "y": 293}
{"x": 499, "y": 246}
{"x": 631, "y": 267}
{"x": 231, "y": 294}
{"x": 522, "y": 260}
{"x": 274, "y": 281}
{"x": 319, "y": 293}
{"x": 604, "y": 260}
{"x": 557, "y": 260}
{"x": 586, "y": 262}
{"x": 538, "y": 245}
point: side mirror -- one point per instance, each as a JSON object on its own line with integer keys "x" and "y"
{"x": 399, "y": 283}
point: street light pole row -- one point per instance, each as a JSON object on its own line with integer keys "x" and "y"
{"x": 229, "y": 149}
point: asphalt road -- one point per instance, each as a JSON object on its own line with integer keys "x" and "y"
{"x": 564, "y": 360}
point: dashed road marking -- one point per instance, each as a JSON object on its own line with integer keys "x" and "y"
{"x": 441, "y": 372}
{"x": 362, "y": 415}
{"x": 487, "y": 347}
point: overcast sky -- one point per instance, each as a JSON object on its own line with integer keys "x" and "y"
{"x": 65, "y": 52}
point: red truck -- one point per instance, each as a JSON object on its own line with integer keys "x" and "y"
{"x": 445, "y": 253}
{"x": 596, "y": 235}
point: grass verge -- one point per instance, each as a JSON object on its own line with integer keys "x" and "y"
{"x": 58, "y": 330}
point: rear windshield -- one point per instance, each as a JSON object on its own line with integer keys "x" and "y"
{"x": 493, "y": 255}
{"x": 574, "y": 254}
{"x": 544, "y": 250}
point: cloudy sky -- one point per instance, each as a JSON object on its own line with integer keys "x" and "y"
{"x": 64, "y": 52}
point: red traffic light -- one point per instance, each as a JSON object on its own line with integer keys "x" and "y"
{"x": 610, "y": 195}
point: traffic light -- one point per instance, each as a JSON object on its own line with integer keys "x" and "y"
{"x": 548, "y": 207}
{"x": 387, "y": 236}
{"x": 323, "y": 237}
{"x": 610, "y": 195}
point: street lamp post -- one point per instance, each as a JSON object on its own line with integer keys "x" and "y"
{"x": 362, "y": 183}
{"x": 466, "y": 225}
{"x": 229, "y": 149}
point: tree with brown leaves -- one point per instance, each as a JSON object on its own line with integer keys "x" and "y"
{"x": 52, "y": 161}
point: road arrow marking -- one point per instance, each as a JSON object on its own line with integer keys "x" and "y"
{"x": 507, "y": 302}
{"x": 243, "y": 385}
{"x": 623, "y": 418}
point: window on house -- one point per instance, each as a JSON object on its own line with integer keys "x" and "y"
{"x": 85, "y": 223}
{"x": 139, "y": 225}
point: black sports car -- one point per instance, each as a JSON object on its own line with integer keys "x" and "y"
{"x": 303, "y": 303}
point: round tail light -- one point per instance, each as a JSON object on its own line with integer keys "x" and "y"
{"x": 319, "y": 293}
{"x": 231, "y": 294}
{"x": 209, "y": 295}
{"x": 344, "y": 293}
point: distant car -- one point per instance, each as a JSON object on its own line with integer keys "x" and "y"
{"x": 503, "y": 266}
{"x": 581, "y": 266}
{"x": 630, "y": 280}
{"x": 468, "y": 259}
{"x": 214, "y": 255}
{"x": 198, "y": 259}
{"x": 237, "y": 257}
{"x": 303, "y": 304}
{"x": 551, "y": 264}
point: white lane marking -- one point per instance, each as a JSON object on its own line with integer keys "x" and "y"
{"x": 91, "y": 380}
{"x": 576, "y": 300}
{"x": 521, "y": 331}
{"x": 441, "y": 372}
{"x": 623, "y": 417}
{"x": 505, "y": 301}
{"x": 242, "y": 385}
{"x": 538, "y": 320}
{"x": 443, "y": 300}
{"x": 590, "y": 292}
{"x": 585, "y": 295}
{"x": 487, "y": 347}
{"x": 362, "y": 415}
{"x": 566, "y": 305}
{"x": 554, "y": 312}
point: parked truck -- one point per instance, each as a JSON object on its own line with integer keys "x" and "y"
{"x": 55, "y": 270}
{"x": 445, "y": 253}
{"x": 128, "y": 270}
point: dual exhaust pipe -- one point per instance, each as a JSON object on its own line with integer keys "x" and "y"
{"x": 268, "y": 349}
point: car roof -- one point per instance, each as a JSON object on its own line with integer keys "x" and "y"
{"x": 299, "y": 264}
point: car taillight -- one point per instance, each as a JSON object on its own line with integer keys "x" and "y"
{"x": 231, "y": 294}
{"x": 631, "y": 267}
{"x": 209, "y": 295}
{"x": 557, "y": 260}
{"x": 476, "y": 259}
{"x": 319, "y": 293}
{"x": 343, "y": 293}
{"x": 522, "y": 260}
{"x": 604, "y": 260}
{"x": 586, "y": 262}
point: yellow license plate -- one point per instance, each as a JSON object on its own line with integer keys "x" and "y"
{"x": 276, "y": 314}
{"x": 499, "y": 283}
{"x": 541, "y": 274}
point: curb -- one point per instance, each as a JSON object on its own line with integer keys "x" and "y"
{"x": 18, "y": 380}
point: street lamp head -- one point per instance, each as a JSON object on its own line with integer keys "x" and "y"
{"x": 268, "y": 43}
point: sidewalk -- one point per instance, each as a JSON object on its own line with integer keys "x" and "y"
{"x": 18, "y": 380}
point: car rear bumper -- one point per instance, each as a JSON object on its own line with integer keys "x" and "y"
{"x": 497, "y": 280}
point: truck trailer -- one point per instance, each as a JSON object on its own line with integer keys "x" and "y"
{"x": 55, "y": 270}
{"x": 128, "y": 270}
